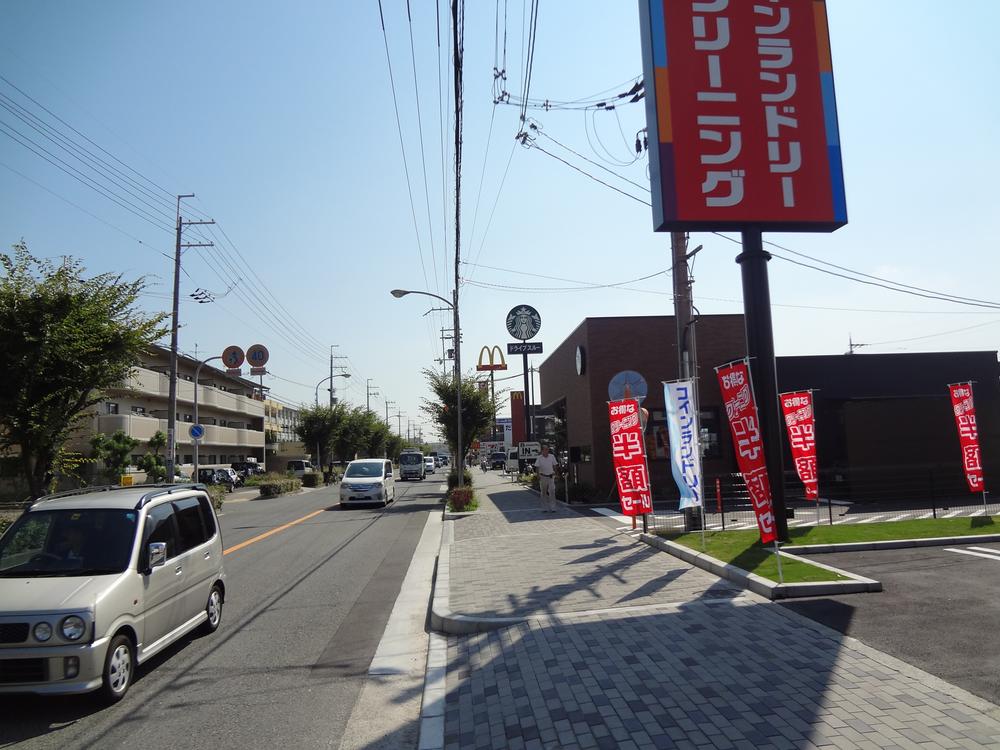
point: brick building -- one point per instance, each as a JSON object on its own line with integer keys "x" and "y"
{"x": 884, "y": 423}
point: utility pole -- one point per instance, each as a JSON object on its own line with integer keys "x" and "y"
{"x": 172, "y": 416}
{"x": 370, "y": 392}
{"x": 399, "y": 422}
{"x": 333, "y": 398}
{"x": 458, "y": 41}
{"x": 387, "y": 404}
{"x": 332, "y": 347}
{"x": 444, "y": 353}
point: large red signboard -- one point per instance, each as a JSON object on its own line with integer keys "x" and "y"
{"x": 968, "y": 434}
{"x": 801, "y": 424}
{"x": 741, "y": 410}
{"x": 628, "y": 451}
{"x": 741, "y": 115}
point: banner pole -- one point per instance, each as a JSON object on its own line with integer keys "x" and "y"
{"x": 703, "y": 524}
{"x": 777, "y": 556}
{"x": 986, "y": 510}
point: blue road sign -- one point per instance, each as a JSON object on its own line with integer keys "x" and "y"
{"x": 196, "y": 431}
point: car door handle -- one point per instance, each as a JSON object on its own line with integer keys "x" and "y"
{"x": 178, "y": 570}
{"x": 208, "y": 555}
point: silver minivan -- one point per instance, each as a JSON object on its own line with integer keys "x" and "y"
{"x": 95, "y": 582}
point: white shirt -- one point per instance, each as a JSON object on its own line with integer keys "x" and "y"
{"x": 546, "y": 465}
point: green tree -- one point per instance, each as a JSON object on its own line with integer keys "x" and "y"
{"x": 157, "y": 443}
{"x": 114, "y": 450}
{"x": 65, "y": 339}
{"x": 155, "y": 468}
{"x": 477, "y": 410}
{"x": 393, "y": 446}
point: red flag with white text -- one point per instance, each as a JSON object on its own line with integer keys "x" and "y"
{"x": 968, "y": 434}
{"x": 628, "y": 452}
{"x": 800, "y": 421}
{"x": 744, "y": 424}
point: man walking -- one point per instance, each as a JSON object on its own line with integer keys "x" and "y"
{"x": 546, "y": 466}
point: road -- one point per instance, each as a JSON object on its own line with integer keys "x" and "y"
{"x": 938, "y": 611}
{"x": 306, "y": 607}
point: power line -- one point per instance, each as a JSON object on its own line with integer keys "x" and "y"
{"x": 496, "y": 200}
{"x": 402, "y": 147}
{"x": 535, "y": 127}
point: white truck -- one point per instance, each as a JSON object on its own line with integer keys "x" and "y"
{"x": 522, "y": 457}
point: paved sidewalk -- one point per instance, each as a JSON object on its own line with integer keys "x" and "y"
{"x": 625, "y": 647}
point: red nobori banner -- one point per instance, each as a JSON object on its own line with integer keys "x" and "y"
{"x": 801, "y": 424}
{"x": 628, "y": 451}
{"x": 968, "y": 434}
{"x": 741, "y": 409}
{"x": 742, "y": 116}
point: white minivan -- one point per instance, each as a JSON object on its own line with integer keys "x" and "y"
{"x": 95, "y": 582}
{"x": 368, "y": 480}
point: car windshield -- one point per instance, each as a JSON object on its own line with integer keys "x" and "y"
{"x": 82, "y": 542}
{"x": 364, "y": 470}
{"x": 409, "y": 458}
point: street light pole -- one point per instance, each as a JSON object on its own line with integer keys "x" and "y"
{"x": 457, "y": 333}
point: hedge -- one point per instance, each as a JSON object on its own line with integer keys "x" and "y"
{"x": 311, "y": 479}
{"x": 279, "y": 485}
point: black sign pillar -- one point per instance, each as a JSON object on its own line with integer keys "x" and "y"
{"x": 760, "y": 349}
{"x": 527, "y": 402}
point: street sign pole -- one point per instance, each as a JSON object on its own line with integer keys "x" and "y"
{"x": 527, "y": 400}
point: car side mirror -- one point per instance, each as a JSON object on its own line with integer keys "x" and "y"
{"x": 157, "y": 555}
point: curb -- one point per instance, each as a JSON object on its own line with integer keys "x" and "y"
{"x": 762, "y": 586}
{"x": 443, "y": 620}
{"x": 936, "y": 541}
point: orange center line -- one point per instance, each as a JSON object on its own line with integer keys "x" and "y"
{"x": 266, "y": 534}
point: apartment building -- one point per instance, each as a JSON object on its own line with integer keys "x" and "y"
{"x": 231, "y": 408}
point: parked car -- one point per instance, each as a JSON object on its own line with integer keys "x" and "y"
{"x": 498, "y": 460}
{"x": 225, "y": 477}
{"x": 247, "y": 468}
{"x": 298, "y": 467}
{"x": 429, "y": 464}
{"x": 90, "y": 586}
{"x": 368, "y": 480}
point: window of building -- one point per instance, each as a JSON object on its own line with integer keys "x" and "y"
{"x": 709, "y": 419}
{"x": 135, "y": 459}
{"x": 189, "y": 459}
{"x": 190, "y": 417}
{"x": 140, "y": 410}
{"x": 210, "y": 458}
{"x": 110, "y": 407}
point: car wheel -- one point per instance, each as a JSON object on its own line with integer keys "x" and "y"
{"x": 213, "y": 608}
{"x": 119, "y": 668}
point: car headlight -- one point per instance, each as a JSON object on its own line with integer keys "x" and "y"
{"x": 73, "y": 628}
{"x": 43, "y": 631}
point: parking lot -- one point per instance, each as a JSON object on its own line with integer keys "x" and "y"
{"x": 939, "y": 610}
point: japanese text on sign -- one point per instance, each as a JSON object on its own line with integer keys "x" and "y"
{"x": 685, "y": 451}
{"x": 744, "y": 425}
{"x": 629, "y": 457}
{"x": 797, "y": 409}
{"x": 968, "y": 434}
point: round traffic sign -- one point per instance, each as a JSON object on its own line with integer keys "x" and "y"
{"x": 196, "y": 431}
{"x": 257, "y": 355}
{"x": 232, "y": 357}
{"x": 523, "y": 322}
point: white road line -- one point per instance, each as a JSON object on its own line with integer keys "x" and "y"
{"x": 995, "y": 558}
{"x": 901, "y": 517}
{"x": 987, "y": 550}
{"x": 952, "y": 514}
{"x": 925, "y": 515}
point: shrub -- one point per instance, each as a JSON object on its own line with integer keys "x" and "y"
{"x": 462, "y": 500}
{"x": 278, "y": 485}
{"x": 453, "y": 479}
{"x": 218, "y": 494}
{"x": 311, "y": 479}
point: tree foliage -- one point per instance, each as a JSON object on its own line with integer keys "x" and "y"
{"x": 64, "y": 340}
{"x": 114, "y": 450}
{"x": 343, "y": 432}
{"x": 477, "y": 410}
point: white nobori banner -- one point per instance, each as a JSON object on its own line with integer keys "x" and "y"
{"x": 685, "y": 450}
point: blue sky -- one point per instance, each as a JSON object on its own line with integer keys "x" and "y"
{"x": 281, "y": 120}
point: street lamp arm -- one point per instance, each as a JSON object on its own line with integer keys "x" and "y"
{"x": 328, "y": 377}
{"x": 397, "y": 293}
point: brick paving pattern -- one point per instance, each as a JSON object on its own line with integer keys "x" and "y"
{"x": 714, "y": 668}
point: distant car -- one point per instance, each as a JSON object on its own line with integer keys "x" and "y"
{"x": 368, "y": 480}
{"x": 429, "y": 464}
{"x": 298, "y": 467}
{"x": 411, "y": 465}
{"x": 96, "y": 583}
{"x": 498, "y": 459}
{"x": 246, "y": 468}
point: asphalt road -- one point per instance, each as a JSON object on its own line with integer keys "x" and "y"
{"x": 939, "y": 610}
{"x": 305, "y": 610}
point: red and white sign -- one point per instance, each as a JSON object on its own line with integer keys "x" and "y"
{"x": 257, "y": 355}
{"x": 233, "y": 357}
{"x": 741, "y": 409}
{"x": 801, "y": 424}
{"x": 968, "y": 434}
{"x": 741, "y": 115}
{"x": 628, "y": 451}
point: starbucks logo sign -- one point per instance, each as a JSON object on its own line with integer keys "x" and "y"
{"x": 523, "y": 322}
